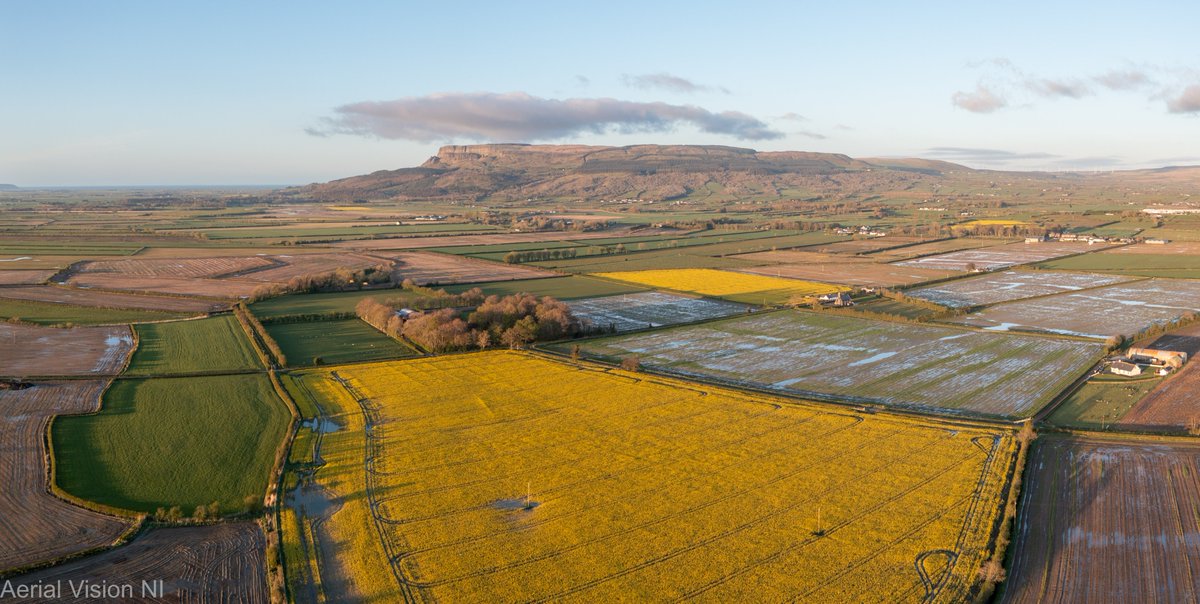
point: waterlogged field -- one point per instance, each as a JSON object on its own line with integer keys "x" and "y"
{"x": 163, "y": 442}
{"x": 1123, "y": 309}
{"x": 862, "y": 360}
{"x": 1002, "y": 256}
{"x": 650, "y": 309}
{"x": 35, "y": 526}
{"x": 212, "y": 344}
{"x": 1108, "y": 521}
{"x": 27, "y": 350}
{"x": 1010, "y": 285}
{"x": 525, "y": 479}
{"x": 725, "y": 284}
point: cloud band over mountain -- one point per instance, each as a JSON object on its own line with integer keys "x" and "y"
{"x": 517, "y": 116}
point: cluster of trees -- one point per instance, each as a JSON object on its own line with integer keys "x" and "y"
{"x": 515, "y": 257}
{"x": 339, "y": 279}
{"x": 513, "y": 321}
{"x": 263, "y": 340}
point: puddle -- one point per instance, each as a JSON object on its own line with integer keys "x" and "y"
{"x": 18, "y": 259}
{"x": 313, "y": 500}
{"x": 321, "y": 425}
{"x": 872, "y": 359}
{"x": 111, "y": 341}
{"x": 515, "y": 505}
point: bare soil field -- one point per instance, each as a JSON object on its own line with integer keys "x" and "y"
{"x": 218, "y": 563}
{"x": 860, "y": 246}
{"x": 862, "y": 360}
{"x": 1123, "y": 309}
{"x": 1010, "y": 285}
{"x": 217, "y": 277}
{"x": 401, "y": 243}
{"x": 103, "y": 299}
{"x": 1002, "y": 256}
{"x": 1107, "y": 521}
{"x": 442, "y": 269}
{"x": 300, "y": 265}
{"x": 25, "y": 277}
{"x": 208, "y": 288}
{"x": 1173, "y": 404}
{"x": 794, "y": 256}
{"x": 650, "y": 309}
{"x": 36, "y": 526}
{"x": 213, "y": 252}
{"x": 201, "y": 268}
{"x": 863, "y": 274}
{"x": 936, "y": 247}
{"x": 26, "y": 350}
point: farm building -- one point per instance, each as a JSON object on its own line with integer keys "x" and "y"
{"x": 1171, "y": 358}
{"x": 1123, "y": 368}
{"x": 836, "y": 299}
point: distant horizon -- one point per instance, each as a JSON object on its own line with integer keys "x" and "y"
{"x": 44, "y": 187}
{"x": 133, "y": 92}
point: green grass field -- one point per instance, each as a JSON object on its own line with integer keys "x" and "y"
{"x": 48, "y": 313}
{"x": 212, "y": 344}
{"x": 1101, "y": 402}
{"x": 173, "y": 441}
{"x": 340, "y": 341}
{"x": 1179, "y": 266}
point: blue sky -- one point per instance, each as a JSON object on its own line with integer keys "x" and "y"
{"x": 277, "y": 93}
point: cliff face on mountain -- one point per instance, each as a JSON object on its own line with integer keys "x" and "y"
{"x": 650, "y": 172}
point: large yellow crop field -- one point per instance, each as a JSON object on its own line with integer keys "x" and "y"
{"x": 506, "y": 476}
{"x": 726, "y": 284}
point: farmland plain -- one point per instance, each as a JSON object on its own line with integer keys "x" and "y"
{"x": 163, "y": 442}
{"x": 35, "y": 526}
{"x": 1008, "y": 286}
{"x": 335, "y": 341}
{"x": 1002, "y": 256}
{"x": 515, "y": 481}
{"x": 219, "y": 563}
{"x": 900, "y": 364}
{"x": 1108, "y": 520}
{"x": 204, "y": 345}
{"x": 738, "y": 287}
{"x": 649, "y": 309}
{"x": 27, "y": 350}
{"x": 1122, "y": 309}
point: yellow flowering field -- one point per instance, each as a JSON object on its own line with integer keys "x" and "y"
{"x": 742, "y": 287}
{"x": 508, "y": 476}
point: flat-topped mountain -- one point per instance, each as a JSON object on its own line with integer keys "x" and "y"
{"x": 650, "y": 172}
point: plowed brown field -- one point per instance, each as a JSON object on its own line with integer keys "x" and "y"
{"x": 36, "y": 526}
{"x": 1108, "y": 521}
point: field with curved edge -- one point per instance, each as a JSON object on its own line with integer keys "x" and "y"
{"x": 740, "y": 287}
{"x": 521, "y": 478}
{"x": 162, "y": 442}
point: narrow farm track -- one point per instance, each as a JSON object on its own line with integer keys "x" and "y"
{"x": 36, "y": 526}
